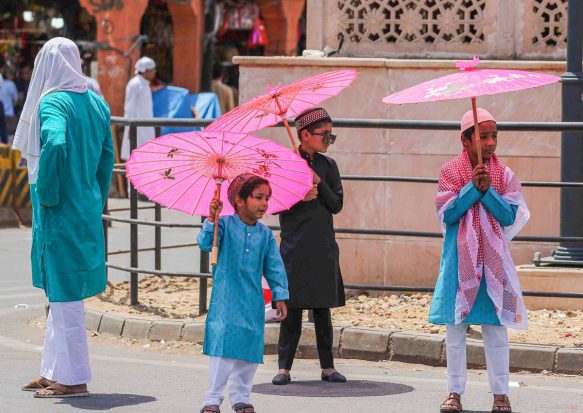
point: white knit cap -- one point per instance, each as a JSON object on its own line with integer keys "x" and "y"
{"x": 144, "y": 63}
{"x": 468, "y": 118}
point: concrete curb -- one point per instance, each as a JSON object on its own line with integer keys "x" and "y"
{"x": 352, "y": 342}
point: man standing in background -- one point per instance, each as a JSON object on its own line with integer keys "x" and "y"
{"x": 138, "y": 103}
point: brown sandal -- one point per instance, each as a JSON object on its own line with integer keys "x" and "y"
{"x": 453, "y": 404}
{"x": 57, "y": 390}
{"x": 243, "y": 408}
{"x": 37, "y": 384}
{"x": 501, "y": 404}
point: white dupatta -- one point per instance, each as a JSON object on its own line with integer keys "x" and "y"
{"x": 56, "y": 67}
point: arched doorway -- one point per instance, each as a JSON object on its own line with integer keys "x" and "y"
{"x": 157, "y": 26}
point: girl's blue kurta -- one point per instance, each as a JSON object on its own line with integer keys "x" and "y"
{"x": 236, "y": 317}
{"x": 443, "y": 303}
{"x": 75, "y": 166}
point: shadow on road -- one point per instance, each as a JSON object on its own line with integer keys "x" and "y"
{"x": 106, "y": 401}
{"x": 352, "y": 388}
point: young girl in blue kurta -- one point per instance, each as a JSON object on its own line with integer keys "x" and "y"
{"x": 481, "y": 208}
{"x": 236, "y": 317}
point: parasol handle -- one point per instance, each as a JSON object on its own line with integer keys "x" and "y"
{"x": 215, "y": 250}
{"x": 291, "y": 138}
{"x": 476, "y": 130}
{"x": 287, "y": 128}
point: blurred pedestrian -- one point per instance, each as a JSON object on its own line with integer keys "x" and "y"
{"x": 92, "y": 84}
{"x": 22, "y": 83}
{"x": 9, "y": 97}
{"x": 138, "y": 103}
{"x": 3, "y": 130}
{"x": 223, "y": 91}
{"x": 65, "y": 136}
{"x": 480, "y": 208}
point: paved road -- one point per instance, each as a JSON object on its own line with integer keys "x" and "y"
{"x": 131, "y": 378}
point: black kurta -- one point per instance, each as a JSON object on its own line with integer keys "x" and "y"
{"x": 308, "y": 245}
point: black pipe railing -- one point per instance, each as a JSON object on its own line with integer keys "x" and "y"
{"x": 205, "y": 273}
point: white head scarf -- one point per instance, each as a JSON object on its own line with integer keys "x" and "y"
{"x": 56, "y": 67}
{"x": 143, "y": 64}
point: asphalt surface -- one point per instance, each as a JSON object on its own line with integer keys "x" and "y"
{"x": 142, "y": 378}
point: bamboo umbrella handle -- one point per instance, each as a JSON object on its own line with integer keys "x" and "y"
{"x": 291, "y": 138}
{"x": 287, "y": 127}
{"x": 215, "y": 250}
{"x": 476, "y": 130}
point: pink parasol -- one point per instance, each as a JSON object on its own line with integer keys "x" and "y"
{"x": 470, "y": 83}
{"x": 185, "y": 171}
{"x": 282, "y": 102}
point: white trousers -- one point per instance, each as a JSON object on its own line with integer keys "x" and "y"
{"x": 65, "y": 352}
{"x": 497, "y": 357}
{"x": 238, "y": 373}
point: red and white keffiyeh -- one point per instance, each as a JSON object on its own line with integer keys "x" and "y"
{"x": 482, "y": 243}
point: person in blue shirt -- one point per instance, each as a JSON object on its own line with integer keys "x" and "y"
{"x": 236, "y": 319}
{"x": 8, "y": 97}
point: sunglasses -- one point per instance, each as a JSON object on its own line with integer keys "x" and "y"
{"x": 328, "y": 138}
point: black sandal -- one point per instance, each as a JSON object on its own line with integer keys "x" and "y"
{"x": 281, "y": 379}
{"x": 333, "y": 377}
{"x": 453, "y": 404}
{"x": 210, "y": 409}
{"x": 242, "y": 408}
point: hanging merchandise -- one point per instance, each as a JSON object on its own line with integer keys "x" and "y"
{"x": 248, "y": 14}
{"x": 258, "y": 36}
{"x": 240, "y": 17}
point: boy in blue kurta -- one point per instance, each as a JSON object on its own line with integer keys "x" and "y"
{"x": 65, "y": 136}
{"x": 480, "y": 208}
{"x": 236, "y": 317}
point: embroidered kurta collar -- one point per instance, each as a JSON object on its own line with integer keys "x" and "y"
{"x": 242, "y": 225}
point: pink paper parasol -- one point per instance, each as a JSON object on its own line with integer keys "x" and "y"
{"x": 183, "y": 171}
{"x": 470, "y": 83}
{"x": 282, "y": 102}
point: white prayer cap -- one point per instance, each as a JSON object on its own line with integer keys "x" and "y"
{"x": 468, "y": 118}
{"x": 144, "y": 63}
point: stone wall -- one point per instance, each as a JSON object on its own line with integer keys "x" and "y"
{"x": 495, "y": 29}
{"x": 409, "y": 206}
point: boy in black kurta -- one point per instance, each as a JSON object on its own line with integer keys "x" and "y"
{"x": 309, "y": 249}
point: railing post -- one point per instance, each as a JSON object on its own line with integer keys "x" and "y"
{"x": 157, "y": 229}
{"x": 105, "y": 224}
{"x": 157, "y": 238}
{"x": 133, "y": 227}
{"x": 572, "y": 142}
{"x": 202, "y": 292}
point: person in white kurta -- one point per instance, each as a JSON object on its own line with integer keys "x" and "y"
{"x": 138, "y": 103}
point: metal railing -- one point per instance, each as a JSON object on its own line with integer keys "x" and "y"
{"x": 204, "y": 272}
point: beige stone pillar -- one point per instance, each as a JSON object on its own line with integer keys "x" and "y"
{"x": 504, "y": 27}
{"x": 315, "y": 25}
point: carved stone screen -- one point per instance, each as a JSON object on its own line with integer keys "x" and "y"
{"x": 444, "y": 28}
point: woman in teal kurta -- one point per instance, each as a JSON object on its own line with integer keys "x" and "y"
{"x": 64, "y": 135}
{"x": 75, "y": 165}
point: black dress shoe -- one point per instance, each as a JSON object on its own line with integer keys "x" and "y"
{"x": 281, "y": 379}
{"x": 334, "y": 377}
